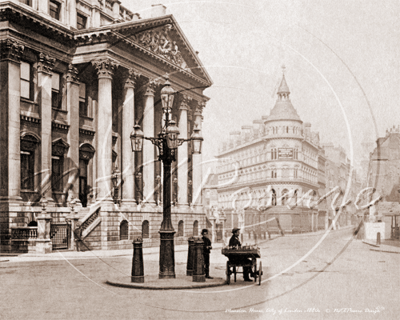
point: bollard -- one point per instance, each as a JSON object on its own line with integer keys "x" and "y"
{"x": 189, "y": 265}
{"x": 198, "y": 261}
{"x": 137, "y": 261}
{"x": 378, "y": 239}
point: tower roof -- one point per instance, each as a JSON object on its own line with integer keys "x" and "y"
{"x": 283, "y": 109}
{"x": 283, "y": 88}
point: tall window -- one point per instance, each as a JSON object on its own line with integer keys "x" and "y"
{"x": 55, "y": 91}
{"x": 296, "y": 154}
{"x": 180, "y": 229}
{"x": 57, "y": 165}
{"x": 195, "y": 228}
{"x": 26, "y": 81}
{"x": 295, "y": 173}
{"x": 27, "y": 170}
{"x": 55, "y": 8}
{"x": 80, "y": 21}
{"x": 28, "y": 146}
{"x": 284, "y": 196}
{"x": 145, "y": 229}
{"x": 123, "y": 230}
{"x": 83, "y": 106}
{"x": 273, "y": 195}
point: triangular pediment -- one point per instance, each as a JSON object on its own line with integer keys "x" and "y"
{"x": 160, "y": 42}
{"x": 163, "y": 38}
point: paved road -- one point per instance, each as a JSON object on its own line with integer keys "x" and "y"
{"x": 308, "y": 278}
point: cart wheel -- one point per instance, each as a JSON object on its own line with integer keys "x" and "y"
{"x": 260, "y": 273}
{"x": 255, "y": 273}
{"x": 228, "y": 273}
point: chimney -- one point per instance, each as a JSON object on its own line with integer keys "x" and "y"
{"x": 234, "y": 138}
{"x": 258, "y": 126}
{"x": 307, "y": 129}
{"x": 158, "y": 10}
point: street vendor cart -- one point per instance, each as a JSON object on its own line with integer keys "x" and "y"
{"x": 242, "y": 257}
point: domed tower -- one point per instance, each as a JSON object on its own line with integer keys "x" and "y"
{"x": 293, "y": 159}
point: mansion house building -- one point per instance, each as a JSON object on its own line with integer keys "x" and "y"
{"x": 76, "y": 75}
{"x": 275, "y": 161}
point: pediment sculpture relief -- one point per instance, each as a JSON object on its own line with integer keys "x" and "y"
{"x": 159, "y": 42}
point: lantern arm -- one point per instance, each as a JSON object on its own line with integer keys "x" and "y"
{"x": 156, "y": 141}
{"x": 181, "y": 141}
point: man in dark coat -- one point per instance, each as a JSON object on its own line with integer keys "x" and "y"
{"x": 206, "y": 252}
{"x": 235, "y": 242}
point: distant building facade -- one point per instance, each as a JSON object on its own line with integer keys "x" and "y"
{"x": 76, "y": 76}
{"x": 278, "y": 160}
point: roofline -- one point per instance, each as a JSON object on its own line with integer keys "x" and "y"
{"x": 143, "y": 22}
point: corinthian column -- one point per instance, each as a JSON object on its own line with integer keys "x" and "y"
{"x": 183, "y": 153}
{"x": 105, "y": 71}
{"x": 128, "y": 160}
{"x": 197, "y": 159}
{"x": 148, "y": 147}
{"x": 73, "y": 132}
{"x": 10, "y": 175}
{"x": 45, "y": 67}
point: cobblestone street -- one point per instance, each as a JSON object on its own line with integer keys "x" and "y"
{"x": 338, "y": 274}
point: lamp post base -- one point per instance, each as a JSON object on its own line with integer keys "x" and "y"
{"x": 167, "y": 255}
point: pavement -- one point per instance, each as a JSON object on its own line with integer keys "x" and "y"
{"x": 151, "y": 280}
{"x": 305, "y": 276}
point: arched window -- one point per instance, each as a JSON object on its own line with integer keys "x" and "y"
{"x": 58, "y": 150}
{"x": 32, "y": 224}
{"x": 28, "y": 148}
{"x": 273, "y": 194}
{"x": 145, "y": 229}
{"x": 284, "y": 196}
{"x": 180, "y": 229}
{"x": 123, "y": 230}
{"x": 195, "y": 228}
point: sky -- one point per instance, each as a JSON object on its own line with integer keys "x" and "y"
{"x": 342, "y": 64}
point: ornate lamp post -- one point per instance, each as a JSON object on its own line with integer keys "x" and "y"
{"x": 167, "y": 143}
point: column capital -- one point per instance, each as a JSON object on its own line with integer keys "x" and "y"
{"x": 199, "y": 108}
{"x": 11, "y": 50}
{"x": 105, "y": 68}
{"x": 46, "y": 63}
{"x": 185, "y": 102}
{"x": 72, "y": 74}
{"x": 133, "y": 76}
{"x": 150, "y": 87}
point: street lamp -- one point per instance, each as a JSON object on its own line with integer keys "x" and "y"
{"x": 167, "y": 142}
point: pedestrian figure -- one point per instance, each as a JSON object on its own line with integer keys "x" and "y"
{"x": 235, "y": 242}
{"x": 206, "y": 252}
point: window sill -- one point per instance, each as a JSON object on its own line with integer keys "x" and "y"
{"x": 28, "y": 100}
{"x": 85, "y": 117}
{"x": 60, "y": 110}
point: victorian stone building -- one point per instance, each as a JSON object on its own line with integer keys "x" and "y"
{"x": 276, "y": 162}
{"x": 384, "y": 177}
{"x": 75, "y": 77}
